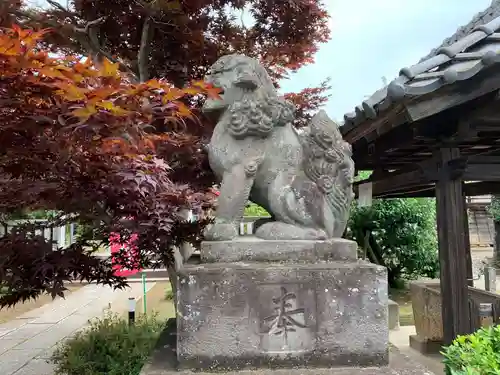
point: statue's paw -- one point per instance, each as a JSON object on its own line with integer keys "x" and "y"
{"x": 221, "y": 232}
{"x": 282, "y": 231}
{"x": 260, "y": 222}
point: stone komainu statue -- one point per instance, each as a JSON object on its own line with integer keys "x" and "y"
{"x": 302, "y": 178}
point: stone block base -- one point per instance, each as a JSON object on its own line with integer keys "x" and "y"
{"x": 164, "y": 362}
{"x": 240, "y": 315}
{"x": 425, "y": 346}
{"x": 251, "y": 249}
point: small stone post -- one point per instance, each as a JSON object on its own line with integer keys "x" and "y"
{"x": 490, "y": 279}
{"x": 131, "y": 311}
{"x": 486, "y": 314}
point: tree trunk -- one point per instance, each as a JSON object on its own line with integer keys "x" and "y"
{"x": 393, "y": 278}
{"x": 181, "y": 256}
{"x": 496, "y": 249}
{"x": 377, "y": 251}
{"x": 172, "y": 277}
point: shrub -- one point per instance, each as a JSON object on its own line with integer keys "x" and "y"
{"x": 399, "y": 234}
{"x": 474, "y": 354}
{"x": 254, "y": 210}
{"x": 494, "y": 208}
{"x": 108, "y": 346}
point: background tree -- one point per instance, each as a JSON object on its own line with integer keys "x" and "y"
{"x": 399, "y": 234}
{"x": 494, "y": 210}
{"x": 179, "y": 40}
{"x": 308, "y": 101}
{"x": 7, "y": 12}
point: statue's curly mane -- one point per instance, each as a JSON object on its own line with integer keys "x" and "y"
{"x": 327, "y": 162}
{"x": 258, "y": 115}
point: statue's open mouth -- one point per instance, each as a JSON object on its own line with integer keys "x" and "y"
{"x": 214, "y": 107}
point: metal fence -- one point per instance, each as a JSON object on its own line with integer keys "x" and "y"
{"x": 61, "y": 236}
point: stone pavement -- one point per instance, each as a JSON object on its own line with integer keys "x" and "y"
{"x": 26, "y": 343}
{"x": 401, "y": 339}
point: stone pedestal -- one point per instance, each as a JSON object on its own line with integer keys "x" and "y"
{"x": 426, "y": 346}
{"x": 314, "y": 304}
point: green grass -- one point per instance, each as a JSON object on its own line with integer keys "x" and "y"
{"x": 164, "y": 306}
{"x": 159, "y": 301}
{"x": 169, "y": 294}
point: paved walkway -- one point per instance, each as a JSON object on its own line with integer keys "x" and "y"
{"x": 401, "y": 339}
{"x": 28, "y": 341}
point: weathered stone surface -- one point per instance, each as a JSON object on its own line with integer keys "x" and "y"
{"x": 237, "y": 315}
{"x": 164, "y": 362}
{"x": 426, "y": 346}
{"x": 426, "y": 303}
{"x": 301, "y": 251}
{"x": 303, "y": 180}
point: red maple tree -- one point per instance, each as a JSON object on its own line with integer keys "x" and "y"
{"x": 112, "y": 145}
{"x": 308, "y": 101}
{"x": 179, "y": 40}
{"x": 76, "y": 139}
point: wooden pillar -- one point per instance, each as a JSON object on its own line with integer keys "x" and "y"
{"x": 468, "y": 258}
{"x": 452, "y": 248}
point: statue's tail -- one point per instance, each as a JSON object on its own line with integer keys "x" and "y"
{"x": 328, "y": 163}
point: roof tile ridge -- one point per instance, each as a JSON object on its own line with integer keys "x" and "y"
{"x": 494, "y": 6}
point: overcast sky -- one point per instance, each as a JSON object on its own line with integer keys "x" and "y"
{"x": 375, "y": 38}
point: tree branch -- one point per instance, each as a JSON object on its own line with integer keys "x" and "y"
{"x": 62, "y": 9}
{"x": 86, "y": 36}
{"x": 90, "y": 26}
{"x": 143, "y": 56}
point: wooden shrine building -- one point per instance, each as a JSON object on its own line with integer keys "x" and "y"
{"x": 435, "y": 131}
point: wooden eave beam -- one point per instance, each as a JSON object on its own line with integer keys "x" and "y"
{"x": 456, "y": 124}
{"x": 421, "y": 180}
{"x": 428, "y": 191}
{"x": 397, "y": 181}
{"x": 482, "y": 168}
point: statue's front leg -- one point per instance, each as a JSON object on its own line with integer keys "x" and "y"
{"x": 234, "y": 191}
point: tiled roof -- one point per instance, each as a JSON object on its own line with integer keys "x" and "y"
{"x": 472, "y": 48}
